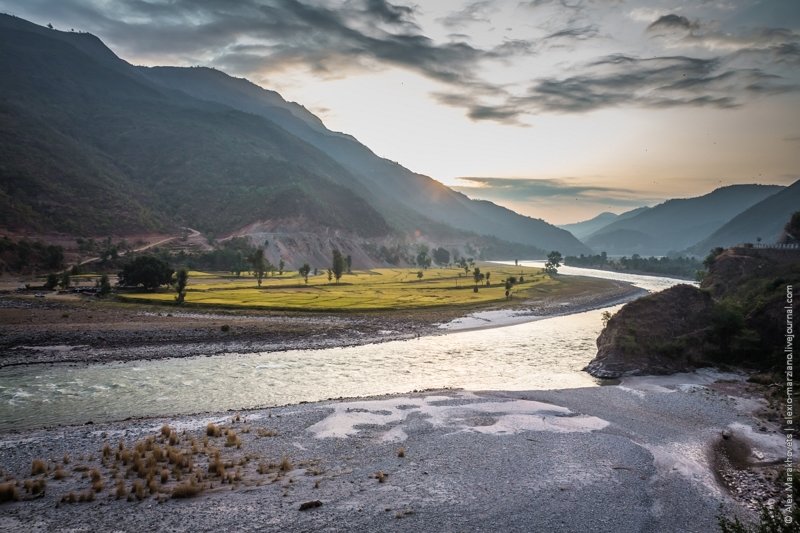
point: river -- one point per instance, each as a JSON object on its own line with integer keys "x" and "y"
{"x": 547, "y": 353}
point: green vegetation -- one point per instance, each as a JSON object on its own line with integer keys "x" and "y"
{"x": 338, "y": 265}
{"x": 684, "y": 267}
{"x": 553, "y": 262}
{"x": 378, "y": 289}
{"x": 147, "y": 271}
{"x": 25, "y": 256}
{"x": 304, "y": 272}
{"x": 259, "y": 265}
{"x": 770, "y": 520}
{"x": 181, "y": 280}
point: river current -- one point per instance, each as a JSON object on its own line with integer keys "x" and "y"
{"x": 546, "y": 353}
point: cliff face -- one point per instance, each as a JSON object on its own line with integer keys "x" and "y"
{"x": 736, "y": 317}
{"x": 661, "y": 333}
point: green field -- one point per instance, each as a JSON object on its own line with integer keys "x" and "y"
{"x": 379, "y": 289}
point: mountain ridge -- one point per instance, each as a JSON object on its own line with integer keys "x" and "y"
{"x": 125, "y": 129}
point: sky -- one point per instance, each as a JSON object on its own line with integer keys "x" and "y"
{"x": 558, "y": 109}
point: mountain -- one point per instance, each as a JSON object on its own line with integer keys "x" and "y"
{"x": 765, "y": 220}
{"x": 678, "y": 224}
{"x": 93, "y": 145}
{"x": 401, "y": 195}
{"x": 587, "y": 227}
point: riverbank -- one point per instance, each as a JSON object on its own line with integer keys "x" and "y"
{"x": 74, "y": 329}
{"x": 638, "y": 456}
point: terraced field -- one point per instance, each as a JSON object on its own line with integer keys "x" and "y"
{"x": 379, "y": 289}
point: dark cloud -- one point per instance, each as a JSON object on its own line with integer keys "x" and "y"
{"x": 551, "y": 190}
{"x": 621, "y": 80}
{"x": 390, "y": 13}
{"x": 578, "y": 34}
{"x": 260, "y": 38}
{"x": 672, "y": 22}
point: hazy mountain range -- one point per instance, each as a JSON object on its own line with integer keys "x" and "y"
{"x": 90, "y": 144}
{"x": 729, "y": 215}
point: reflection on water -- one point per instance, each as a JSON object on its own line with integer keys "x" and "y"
{"x": 544, "y": 354}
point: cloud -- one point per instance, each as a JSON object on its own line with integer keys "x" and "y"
{"x": 672, "y": 22}
{"x": 621, "y": 80}
{"x": 473, "y": 12}
{"x": 263, "y": 38}
{"x": 524, "y": 190}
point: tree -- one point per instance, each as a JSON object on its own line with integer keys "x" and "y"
{"x": 181, "y": 280}
{"x": 422, "y": 257}
{"x": 281, "y": 264}
{"x": 103, "y": 285}
{"x": 441, "y": 256}
{"x": 349, "y": 262}
{"x": 259, "y": 264}
{"x": 478, "y": 277}
{"x": 488, "y": 274}
{"x": 330, "y": 275}
{"x": 338, "y": 265}
{"x": 64, "y": 281}
{"x": 553, "y": 262}
{"x": 304, "y": 270}
{"x": 52, "y": 281}
{"x": 712, "y": 256}
{"x": 419, "y": 274}
{"x": 147, "y": 271}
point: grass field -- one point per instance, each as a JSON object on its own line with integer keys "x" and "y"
{"x": 379, "y": 289}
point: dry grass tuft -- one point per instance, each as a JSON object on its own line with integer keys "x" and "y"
{"x": 69, "y": 498}
{"x": 121, "y": 491}
{"x": 35, "y": 486}
{"x": 106, "y": 450}
{"x": 264, "y": 432}
{"x": 66, "y": 459}
{"x": 165, "y": 431}
{"x": 138, "y": 490}
{"x": 232, "y": 439}
{"x": 38, "y": 466}
{"x": 187, "y": 489}
{"x": 87, "y": 496}
{"x": 8, "y": 492}
{"x": 401, "y": 452}
{"x": 59, "y": 473}
{"x": 381, "y": 476}
{"x": 213, "y": 430}
{"x": 285, "y": 464}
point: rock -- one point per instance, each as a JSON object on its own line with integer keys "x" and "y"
{"x": 662, "y": 333}
{"x": 313, "y": 504}
{"x": 726, "y": 434}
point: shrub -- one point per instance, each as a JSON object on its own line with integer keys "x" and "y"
{"x": 38, "y": 466}
{"x": 8, "y": 492}
{"x": 187, "y": 489}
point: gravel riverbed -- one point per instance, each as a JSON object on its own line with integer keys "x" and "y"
{"x": 637, "y": 456}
